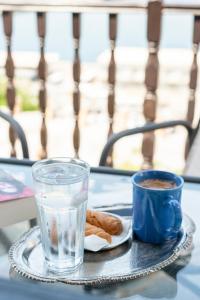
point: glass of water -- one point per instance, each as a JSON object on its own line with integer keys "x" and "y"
{"x": 61, "y": 191}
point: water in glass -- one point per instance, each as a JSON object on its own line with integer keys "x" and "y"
{"x": 61, "y": 196}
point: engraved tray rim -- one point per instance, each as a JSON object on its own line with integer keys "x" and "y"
{"x": 184, "y": 243}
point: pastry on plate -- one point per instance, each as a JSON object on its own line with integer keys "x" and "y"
{"x": 108, "y": 223}
{"x": 91, "y": 229}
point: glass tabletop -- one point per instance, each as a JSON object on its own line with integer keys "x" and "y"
{"x": 110, "y": 191}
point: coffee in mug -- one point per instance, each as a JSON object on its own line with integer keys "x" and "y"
{"x": 158, "y": 184}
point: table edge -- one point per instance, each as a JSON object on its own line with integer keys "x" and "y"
{"x": 99, "y": 170}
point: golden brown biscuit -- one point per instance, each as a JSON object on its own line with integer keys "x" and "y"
{"x": 110, "y": 224}
{"x": 91, "y": 229}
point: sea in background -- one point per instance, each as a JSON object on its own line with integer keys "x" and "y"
{"x": 177, "y": 30}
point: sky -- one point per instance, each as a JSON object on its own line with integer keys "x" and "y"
{"x": 176, "y": 33}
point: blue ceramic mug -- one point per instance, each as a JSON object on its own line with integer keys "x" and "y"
{"x": 157, "y": 215}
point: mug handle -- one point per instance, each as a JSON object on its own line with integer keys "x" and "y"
{"x": 177, "y": 216}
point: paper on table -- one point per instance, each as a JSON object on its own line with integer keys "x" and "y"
{"x": 95, "y": 243}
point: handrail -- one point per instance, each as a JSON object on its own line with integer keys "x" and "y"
{"x": 108, "y": 6}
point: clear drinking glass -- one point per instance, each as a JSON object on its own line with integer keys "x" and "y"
{"x": 61, "y": 191}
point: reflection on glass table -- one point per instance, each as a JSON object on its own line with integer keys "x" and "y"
{"x": 180, "y": 280}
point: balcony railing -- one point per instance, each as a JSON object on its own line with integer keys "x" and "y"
{"x": 154, "y": 9}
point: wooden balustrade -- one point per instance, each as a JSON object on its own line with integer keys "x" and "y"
{"x": 41, "y": 22}
{"x": 10, "y": 73}
{"x": 193, "y": 77}
{"x": 194, "y": 70}
{"x": 154, "y": 9}
{"x": 151, "y": 78}
{"x": 76, "y": 77}
{"x": 111, "y": 78}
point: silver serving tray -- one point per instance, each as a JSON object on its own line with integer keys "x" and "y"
{"x": 131, "y": 260}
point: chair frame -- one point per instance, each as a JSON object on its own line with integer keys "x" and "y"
{"x": 19, "y": 131}
{"x": 147, "y": 128}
